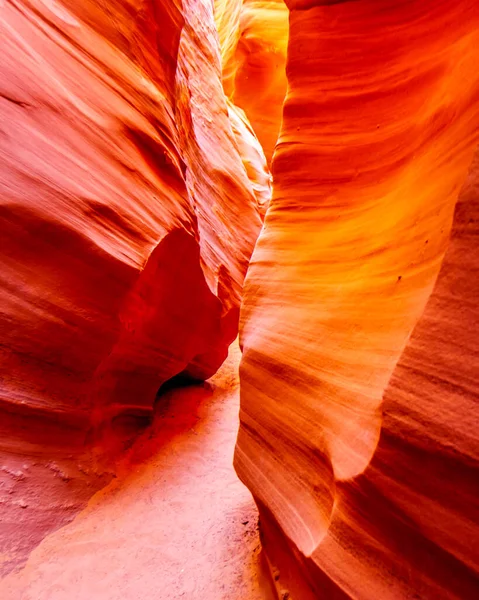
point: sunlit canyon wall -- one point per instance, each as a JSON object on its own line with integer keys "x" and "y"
{"x": 359, "y": 376}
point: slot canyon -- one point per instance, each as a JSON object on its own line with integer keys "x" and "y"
{"x": 239, "y": 315}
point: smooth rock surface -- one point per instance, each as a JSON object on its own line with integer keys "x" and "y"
{"x": 347, "y": 455}
{"x": 127, "y": 222}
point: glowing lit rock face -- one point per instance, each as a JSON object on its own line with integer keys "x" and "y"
{"x": 127, "y": 223}
{"x": 358, "y": 429}
{"x": 254, "y": 37}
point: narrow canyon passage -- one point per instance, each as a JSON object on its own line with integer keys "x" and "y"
{"x": 176, "y": 175}
{"x": 176, "y": 523}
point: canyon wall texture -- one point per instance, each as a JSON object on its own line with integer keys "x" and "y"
{"x": 127, "y": 219}
{"x": 254, "y": 39}
{"x": 359, "y": 388}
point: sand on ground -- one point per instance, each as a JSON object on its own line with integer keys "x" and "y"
{"x": 176, "y": 523}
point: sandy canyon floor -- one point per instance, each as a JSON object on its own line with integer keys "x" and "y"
{"x": 175, "y": 523}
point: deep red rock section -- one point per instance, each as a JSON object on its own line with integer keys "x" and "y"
{"x": 127, "y": 219}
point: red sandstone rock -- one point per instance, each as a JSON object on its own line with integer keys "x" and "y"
{"x": 366, "y": 472}
{"x": 127, "y": 224}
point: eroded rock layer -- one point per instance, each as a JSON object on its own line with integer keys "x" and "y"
{"x": 127, "y": 222}
{"x": 365, "y": 469}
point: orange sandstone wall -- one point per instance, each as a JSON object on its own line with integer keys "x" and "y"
{"x": 127, "y": 222}
{"x": 254, "y": 38}
{"x": 358, "y": 440}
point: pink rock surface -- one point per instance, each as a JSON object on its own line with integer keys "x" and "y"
{"x": 120, "y": 265}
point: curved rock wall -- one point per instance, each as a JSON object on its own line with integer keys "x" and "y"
{"x": 363, "y": 467}
{"x": 127, "y": 222}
